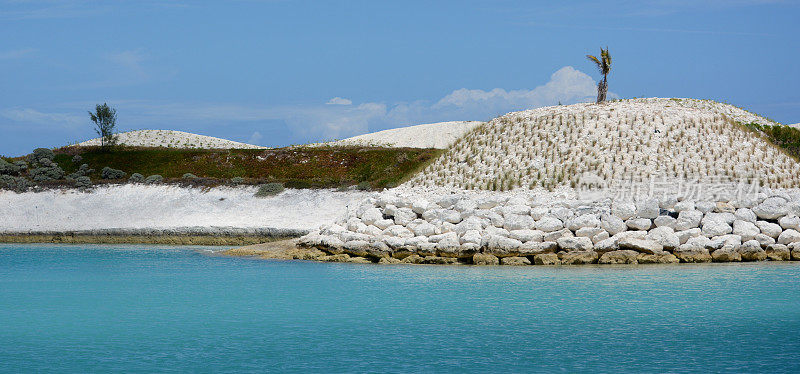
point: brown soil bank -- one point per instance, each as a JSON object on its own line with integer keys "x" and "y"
{"x": 184, "y": 236}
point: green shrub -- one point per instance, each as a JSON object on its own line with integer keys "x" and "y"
{"x": 82, "y": 171}
{"x": 40, "y": 154}
{"x": 47, "y": 173}
{"x": 9, "y": 168}
{"x": 10, "y": 183}
{"x": 189, "y": 176}
{"x": 83, "y": 182}
{"x": 136, "y": 178}
{"x": 237, "y": 180}
{"x": 363, "y": 186}
{"x": 269, "y": 189}
{"x": 109, "y": 173}
{"x": 76, "y": 159}
{"x": 154, "y": 179}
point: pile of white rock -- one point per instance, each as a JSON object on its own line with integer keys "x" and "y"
{"x": 508, "y": 229}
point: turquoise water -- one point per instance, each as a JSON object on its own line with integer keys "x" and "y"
{"x": 167, "y": 309}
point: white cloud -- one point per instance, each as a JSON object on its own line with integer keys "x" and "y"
{"x": 36, "y": 117}
{"x": 339, "y": 101}
{"x": 130, "y": 61}
{"x": 17, "y": 53}
{"x": 255, "y": 138}
{"x": 326, "y": 122}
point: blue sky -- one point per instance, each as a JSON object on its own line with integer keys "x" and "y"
{"x": 285, "y": 72}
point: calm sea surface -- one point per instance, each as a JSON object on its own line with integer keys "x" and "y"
{"x": 182, "y": 309}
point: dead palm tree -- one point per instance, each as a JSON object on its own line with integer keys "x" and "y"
{"x": 604, "y": 65}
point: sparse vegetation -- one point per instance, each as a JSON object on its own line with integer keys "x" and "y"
{"x": 111, "y": 173}
{"x": 105, "y": 121}
{"x": 269, "y": 189}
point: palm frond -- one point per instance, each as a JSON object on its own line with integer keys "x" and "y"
{"x": 596, "y": 61}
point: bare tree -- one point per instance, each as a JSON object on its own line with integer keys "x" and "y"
{"x": 105, "y": 119}
{"x": 604, "y": 65}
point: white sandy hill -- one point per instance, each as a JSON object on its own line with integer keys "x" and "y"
{"x": 172, "y": 139}
{"x": 432, "y": 135}
{"x": 679, "y": 139}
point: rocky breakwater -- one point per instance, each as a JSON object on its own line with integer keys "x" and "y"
{"x": 497, "y": 229}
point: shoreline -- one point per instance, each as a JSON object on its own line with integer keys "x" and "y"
{"x": 179, "y": 236}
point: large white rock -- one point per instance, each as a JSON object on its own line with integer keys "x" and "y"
{"x": 641, "y": 245}
{"x": 575, "y": 244}
{"x": 419, "y": 206}
{"x": 639, "y": 223}
{"x": 471, "y": 236}
{"x": 764, "y": 240}
{"x": 516, "y": 210}
{"x": 684, "y": 205}
{"x": 588, "y": 231}
{"x": 562, "y": 213}
{"x": 688, "y": 219}
{"x": 665, "y": 221}
{"x": 623, "y": 210}
{"x": 716, "y": 228}
{"x": 705, "y": 206}
{"x": 728, "y": 218}
{"x": 555, "y": 235}
{"x": 404, "y": 216}
{"x": 647, "y": 209}
{"x": 770, "y": 229}
{"x": 527, "y": 235}
{"x": 502, "y": 243}
{"x": 613, "y": 224}
{"x": 495, "y": 219}
{"x": 470, "y": 223}
{"x": 383, "y": 223}
{"x": 771, "y": 208}
{"x": 789, "y": 236}
{"x": 451, "y": 236}
{"x": 422, "y": 228}
{"x": 466, "y": 205}
{"x": 371, "y": 215}
{"x": 538, "y": 212}
{"x": 586, "y": 220}
{"x": 684, "y": 235}
{"x": 398, "y": 231}
{"x": 549, "y": 224}
{"x": 747, "y": 230}
{"x": 745, "y": 214}
{"x": 518, "y": 222}
{"x": 664, "y": 236}
{"x": 790, "y": 222}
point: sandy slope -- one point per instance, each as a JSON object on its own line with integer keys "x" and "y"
{"x": 172, "y": 139}
{"x": 680, "y": 139}
{"x": 432, "y": 135}
{"x": 164, "y": 207}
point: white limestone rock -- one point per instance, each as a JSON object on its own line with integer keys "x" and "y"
{"x": 789, "y": 236}
{"x": 371, "y": 215}
{"x": 613, "y": 224}
{"x": 639, "y": 223}
{"x": 764, "y": 240}
{"x": 790, "y": 222}
{"x": 602, "y": 235}
{"x": 398, "y": 231}
{"x": 575, "y": 244}
{"x": 684, "y": 235}
{"x": 623, "y": 210}
{"x": 383, "y": 223}
{"x": 471, "y": 236}
{"x": 716, "y": 228}
{"x": 770, "y": 229}
{"x": 665, "y": 221}
{"x": 588, "y": 231}
{"x": 688, "y": 219}
{"x": 527, "y": 235}
{"x": 704, "y": 206}
{"x": 583, "y": 221}
{"x": 518, "y": 222}
{"x": 538, "y": 212}
{"x": 647, "y": 209}
{"x": 555, "y": 235}
{"x": 747, "y": 230}
{"x": 684, "y": 205}
{"x": 404, "y": 216}
{"x": 664, "y": 236}
{"x": 641, "y": 245}
{"x": 745, "y": 214}
{"x": 422, "y": 228}
{"x": 549, "y": 224}
{"x": 771, "y": 208}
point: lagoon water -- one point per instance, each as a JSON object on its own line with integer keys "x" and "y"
{"x": 183, "y": 309}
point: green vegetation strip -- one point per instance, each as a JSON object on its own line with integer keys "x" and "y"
{"x": 367, "y": 167}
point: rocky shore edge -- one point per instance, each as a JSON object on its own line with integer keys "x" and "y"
{"x": 223, "y": 236}
{"x": 520, "y": 230}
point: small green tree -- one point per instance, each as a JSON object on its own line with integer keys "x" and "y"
{"x": 105, "y": 119}
{"x": 604, "y": 65}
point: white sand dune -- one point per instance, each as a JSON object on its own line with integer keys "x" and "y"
{"x": 136, "y": 206}
{"x": 681, "y": 139}
{"x": 172, "y": 139}
{"x": 432, "y": 135}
